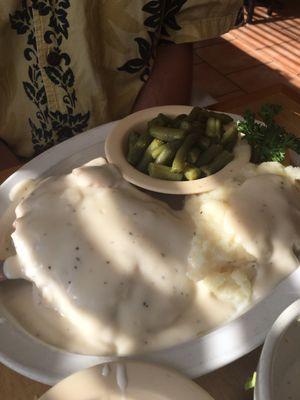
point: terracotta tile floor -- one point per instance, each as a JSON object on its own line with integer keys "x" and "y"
{"x": 251, "y": 57}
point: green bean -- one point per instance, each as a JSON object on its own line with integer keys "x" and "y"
{"x": 230, "y": 138}
{"x": 210, "y": 127}
{"x": 185, "y": 147}
{"x": 136, "y": 150}
{"x": 193, "y": 155}
{"x": 198, "y": 125}
{"x": 191, "y": 173}
{"x": 176, "y": 122}
{"x": 132, "y": 138}
{"x": 199, "y": 113}
{"x": 160, "y": 120}
{"x": 163, "y": 172}
{"x": 181, "y": 154}
{"x": 203, "y": 142}
{"x": 199, "y": 128}
{"x": 195, "y": 114}
{"x": 209, "y": 154}
{"x": 148, "y": 157}
{"x": 213, "y": 128}
{"x": 218, "y": 128}
{"x": 156, "y": 152}
{"x": 185, "y": 125}
{"x": 218, "y": 163}
{"x": 165, "y": 133}
{"x": 224, "y": 118}
{"x": 167, "y": 153}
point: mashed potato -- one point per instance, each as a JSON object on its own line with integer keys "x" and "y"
{"x": 246, "y": 230}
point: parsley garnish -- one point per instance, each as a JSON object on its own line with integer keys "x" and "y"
{"x": 269, "y": 141}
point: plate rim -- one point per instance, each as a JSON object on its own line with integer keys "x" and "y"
{"x": 179, "y": 356}
{"x": 132, "y": 367}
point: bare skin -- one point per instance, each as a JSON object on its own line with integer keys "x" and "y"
{"x": 171, "y": 78}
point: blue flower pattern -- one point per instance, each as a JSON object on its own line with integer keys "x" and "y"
{"x": 50, "y": 127}
{"x": 162, "y": 17}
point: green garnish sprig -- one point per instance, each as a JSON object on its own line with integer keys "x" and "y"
{"x": 268, "y": 140}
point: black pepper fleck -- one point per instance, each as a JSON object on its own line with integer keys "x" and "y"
{"x": 145, "y": 342}
{"x": 77, "y": 259}
{"x": 69, "y": 282}
{"x": 104, "y": 283}
{"x": 107, "y": 262}
{"x": 75, "y": 267}
{"x": 49, "y": 267}
{"x": 76, "y": 248}
{"x": 163, "y": 254}
{"x": 130, "y": 233}
{"x": 145, "y": 304}
{"x": 134, "y": 213}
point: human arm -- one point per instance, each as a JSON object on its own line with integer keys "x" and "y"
{"x": 170, "y": 81}
{"x": 8, "y": 162}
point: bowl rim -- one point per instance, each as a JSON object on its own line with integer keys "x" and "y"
{"x": 115, "y": 155}
{"x": 263, "y": 387}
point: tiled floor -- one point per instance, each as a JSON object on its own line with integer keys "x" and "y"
{"x": 251, "y": 57}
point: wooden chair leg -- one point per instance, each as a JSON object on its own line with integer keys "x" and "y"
{"x": 251, "y": 6}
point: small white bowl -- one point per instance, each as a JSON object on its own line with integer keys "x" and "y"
{"x": 115, "y": 147}
{"x": 278, "y": 375}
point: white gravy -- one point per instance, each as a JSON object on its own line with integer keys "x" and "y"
{"x": 109, "y": 264}
{"x": 264, "y": 214}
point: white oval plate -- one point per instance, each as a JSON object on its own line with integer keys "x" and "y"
{"x": 199, "y": 356}
{"x": 132, "y": 380}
